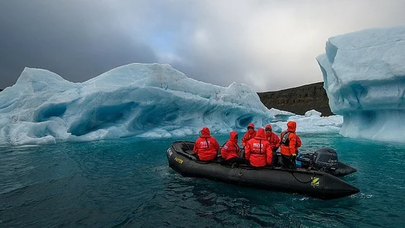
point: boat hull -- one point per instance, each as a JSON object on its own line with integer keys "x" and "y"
{"x": 308, "y": 182}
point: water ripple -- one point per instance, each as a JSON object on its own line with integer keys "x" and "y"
{"x": 127, "y": 183}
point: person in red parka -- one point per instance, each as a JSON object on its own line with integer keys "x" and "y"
{"x": 231, "y": 148}
{"x": 289, "y": 145}
{"x": 250, "y": 134}
{"x": 272, "y": 137}
{"x": 230, "y": 151}
{"x": 258, "y": 150}
{"x": 206, "y": 147}
{"x": 274, "y": 141}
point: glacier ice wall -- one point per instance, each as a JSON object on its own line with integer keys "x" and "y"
{"x": 142, "y": 100}
{"x": 364, "y": 77}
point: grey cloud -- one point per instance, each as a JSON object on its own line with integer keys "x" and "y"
{"x": 77, "y": 41}
{"x": 269, "y": 45}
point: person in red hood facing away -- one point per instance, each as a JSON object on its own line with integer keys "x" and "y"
{"x": 230, "y": 151}
{"x": 250, "y": 134}
{"x": 274, "y": 141}
{"x": 206, "y": 147}
{"x": 231, "y": 148}
{"x": 258, "y": 150}
{"x": 289, "y": 145}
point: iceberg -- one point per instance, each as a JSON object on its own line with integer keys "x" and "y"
{"x": 310, "y": 122}
{"x": 140, "y": 100}
{"x": 364, "y": 78}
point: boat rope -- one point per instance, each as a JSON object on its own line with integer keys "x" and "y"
{"x": 304, "y": 182}
{"x": 189, "y": 156}
{"x": 186, "y": 144}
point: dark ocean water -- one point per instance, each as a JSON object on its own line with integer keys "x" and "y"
{"x": 127, "y": 183}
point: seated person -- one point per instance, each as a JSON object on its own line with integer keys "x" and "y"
{"x": 258, "y": 150}
{"x": 230, "y": 151}
{"x": 274, "y": 141}
{"x": 206, "y": 147}
{"x": 249, "y": 134}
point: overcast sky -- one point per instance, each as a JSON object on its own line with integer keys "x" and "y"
{"x": 267, "y": 44}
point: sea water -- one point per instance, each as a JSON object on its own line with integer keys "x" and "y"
{"x": 128, "y": 183}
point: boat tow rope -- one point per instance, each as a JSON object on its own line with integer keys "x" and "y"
{"x": 303, "y": 182}
{"x": 191, "y": 157}
{"x": 185, "y": 143}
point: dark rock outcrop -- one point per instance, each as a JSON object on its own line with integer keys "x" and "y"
{"x": 299, "y": 99}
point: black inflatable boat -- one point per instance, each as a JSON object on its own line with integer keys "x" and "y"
{"x": 313, "y": 183}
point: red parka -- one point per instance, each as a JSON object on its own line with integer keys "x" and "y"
{"x": 206, "y": 147}
{"x": 289, "y": 140}
{"x": 231, "y": 148}
{"x": 273, "y": 138}
{"x": 258, "y": 150}
{"x": 250, "y": 134}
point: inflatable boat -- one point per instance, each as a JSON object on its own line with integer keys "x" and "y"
{"x": 315, "y": 183}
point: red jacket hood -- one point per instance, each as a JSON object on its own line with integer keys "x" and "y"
{"x": 268, "y": 133}
{"x": 232, "y": 136}
{"x": 251, "y": 125}
{"x": 291, "y": 126}
{"x": 205, "y": 132}
{"x": 260, "y": 134}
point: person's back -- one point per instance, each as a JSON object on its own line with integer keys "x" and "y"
{"x": 231, "y": 148}
{"x": 250, "y": 134}
{"x": 206, "y": 147}
{"x": 258, "y": 150}
{"x": 289, "y": 145}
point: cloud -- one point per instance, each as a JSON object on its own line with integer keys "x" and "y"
{"x": 75, "y": 40}
{"x": 268, "y": 45}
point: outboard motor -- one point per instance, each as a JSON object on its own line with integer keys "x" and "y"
{"x": 325, "y": 159}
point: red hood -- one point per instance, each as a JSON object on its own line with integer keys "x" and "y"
{"x": 232, "y": 136}
{"x": 205, "y": 132}
{"x": 251, "y": 125}
{"x": 268, "y": 132}
{"x": 291, "y": 126}
{"x": 260, "y": 134}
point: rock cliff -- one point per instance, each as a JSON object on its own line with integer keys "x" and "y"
{"x": 299, "y": 99}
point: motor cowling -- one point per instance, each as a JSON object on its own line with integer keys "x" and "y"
{"x": 325, "y": 159}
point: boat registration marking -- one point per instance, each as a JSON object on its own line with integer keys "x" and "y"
{"x": 169, "y": 152}
{"x": 179, "y": 160}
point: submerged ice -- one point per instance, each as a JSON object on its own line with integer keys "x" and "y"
{"x": 145, "y": 100}
{"x": 364, "y": 77}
